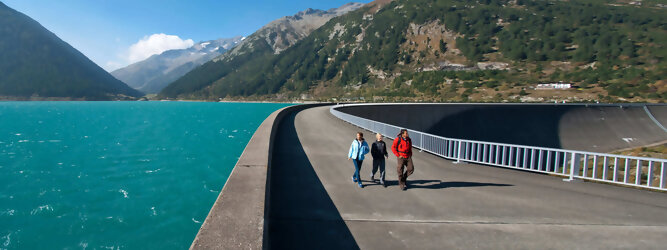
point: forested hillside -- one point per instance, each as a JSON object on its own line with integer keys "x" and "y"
{"x": 270, "y": 40}
{"x": 448, "y": 50}
{"x": 36, "y": 64}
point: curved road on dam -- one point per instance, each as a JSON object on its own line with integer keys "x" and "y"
{"x": 312, "y": 202}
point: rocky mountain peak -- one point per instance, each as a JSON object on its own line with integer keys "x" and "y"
{"x": 286, "y": 31}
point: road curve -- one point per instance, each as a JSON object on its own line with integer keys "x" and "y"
{"x": 315, "y": 205}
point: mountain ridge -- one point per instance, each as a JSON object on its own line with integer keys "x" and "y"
{"x": 285, "y": 31}
{"x": 36, "y": 64}
{"x": 156, "y": 72}
{"x": 449, "y": 50}
{"x": 271, "y": 39}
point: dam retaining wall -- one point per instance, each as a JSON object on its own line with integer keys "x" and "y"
{"x": 588, "y": 127}
{"x": 237, "y": 218}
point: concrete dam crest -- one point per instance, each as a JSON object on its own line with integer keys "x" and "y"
{"x": 298, "y": 194}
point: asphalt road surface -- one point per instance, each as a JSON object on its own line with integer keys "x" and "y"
{"x": 313, "y": 203}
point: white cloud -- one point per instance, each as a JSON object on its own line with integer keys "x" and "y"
{"x": 155, "y": 44}
{"x": 146, "y": 47}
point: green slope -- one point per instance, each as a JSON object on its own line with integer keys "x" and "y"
{"x": 197, "y": 83}
{"x": 609, "y": 50}
{"x": 35, "y": 62}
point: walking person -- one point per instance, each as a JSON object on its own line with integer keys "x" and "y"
{"x": 379, "y": 153}
{"x": 358, "y": 149}
{"x": 402, "y": 148}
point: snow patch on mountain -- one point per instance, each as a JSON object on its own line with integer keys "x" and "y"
{"x": 156, "y": 72}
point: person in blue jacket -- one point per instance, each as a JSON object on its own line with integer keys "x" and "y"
{"x": 358, "y": 149}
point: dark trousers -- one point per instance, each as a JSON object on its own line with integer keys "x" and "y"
{"x": 357, "y": 169}
{"x": 403, "y": 175}
{"x": 378, "y": 163}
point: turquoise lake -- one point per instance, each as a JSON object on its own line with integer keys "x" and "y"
{"x": 116, "y": 175}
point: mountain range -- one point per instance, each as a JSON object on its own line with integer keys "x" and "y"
{"x": 268, "y": 41}
{"x": 401, "y": 50}
{"x": 156, "y": 72}
{"x": 450, "y": 50}
{"x": 36, "y": 64}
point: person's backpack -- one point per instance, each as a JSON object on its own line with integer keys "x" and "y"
{"x": 400, "y": 140}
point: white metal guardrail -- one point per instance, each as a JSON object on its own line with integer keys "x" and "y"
{"x": 634, "y": 171}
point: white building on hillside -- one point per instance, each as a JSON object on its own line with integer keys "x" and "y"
{"x": 558, "y": 85}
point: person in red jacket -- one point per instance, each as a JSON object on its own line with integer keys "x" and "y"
{"x": 402, "y": 148}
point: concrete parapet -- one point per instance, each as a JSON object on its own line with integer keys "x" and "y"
{"x": 237, "y": 218}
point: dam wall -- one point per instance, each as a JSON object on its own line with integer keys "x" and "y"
{"x": 237, "y": 218}
{"x": 587, "y": 127}
{"x": 264, "y": 197}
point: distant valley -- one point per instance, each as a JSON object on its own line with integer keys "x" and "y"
{"x": 153, "y": 74}
{"x": 383, "y": 51}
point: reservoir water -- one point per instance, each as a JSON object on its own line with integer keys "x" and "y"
{"x": 116, "y": 175}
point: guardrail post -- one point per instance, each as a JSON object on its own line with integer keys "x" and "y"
{"x": 574, "y": 166}
{"x": 663, "y": 176}
{"x": 458, "y": 152}
{"x": 421, "y": 142}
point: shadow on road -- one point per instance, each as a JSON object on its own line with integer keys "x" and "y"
{"x": 437, "y": 184}
{"x": 300, "y": 214}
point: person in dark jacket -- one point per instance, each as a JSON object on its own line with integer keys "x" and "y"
{"x": 402, "y": 148}
{"x": 379, "y": 153}
{"x": 358, "y": 150}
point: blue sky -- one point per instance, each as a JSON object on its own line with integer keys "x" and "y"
{"x": 104, "y": 30}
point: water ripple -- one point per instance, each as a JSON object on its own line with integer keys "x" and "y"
{"x": 123, "y": 192}
{"x": 67, "y": 181}
{"x": 40, "y": 209}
